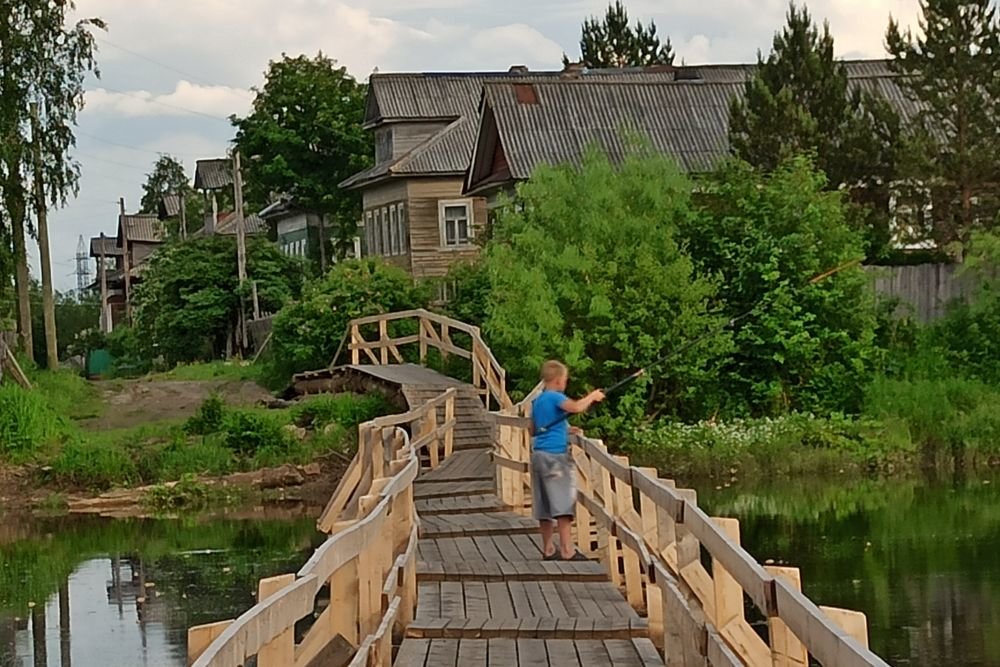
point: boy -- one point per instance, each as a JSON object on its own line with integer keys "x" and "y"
{"x": 552, "y": 480}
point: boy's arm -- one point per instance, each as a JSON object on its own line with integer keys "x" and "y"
{"x": 577, "y": 406}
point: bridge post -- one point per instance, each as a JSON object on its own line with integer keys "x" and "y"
{"x": 584, "y": 537}
{"x": 281, "y": 651}
{"x": 449, "y": 418}
{"x": 355, "y": 342}
{"x": 625, "y": 511}
{"x": 786, "y": 649}
{"x": 607, "y": 544}
{"x": 651, "y": 535}
{"x": 200, "y": 637}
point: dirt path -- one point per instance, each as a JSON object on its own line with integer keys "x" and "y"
{"x": 136, "y": 402}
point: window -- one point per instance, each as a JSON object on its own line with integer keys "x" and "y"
{"x": 404, "y": 228}
{"x": 384, "y": 232}
{"x": 393, "y": 231}
{"x": 369, "y": 236}
{"x": 377, "y": 231}
{"x": 456, "y": 223}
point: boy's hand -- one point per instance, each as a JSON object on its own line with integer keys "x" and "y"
{"x": 575, "y": 430}
{"x": 596, "y": 396}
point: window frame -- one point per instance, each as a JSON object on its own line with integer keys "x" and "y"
{"x": 469, "y": 206}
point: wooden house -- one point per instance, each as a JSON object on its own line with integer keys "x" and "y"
{"x": 525, "y": 124}
{"x": 110, "y": 260}
{"x": 213, "y": 177}
{"x": 417, "y": 212}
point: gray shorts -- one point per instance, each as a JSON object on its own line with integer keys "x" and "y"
{"x": 553, "y": 486}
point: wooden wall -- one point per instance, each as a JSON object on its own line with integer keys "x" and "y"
{"x": 429, "y": 258}
{"x": 924, "y": 290}
{"x": 377, "y": 196}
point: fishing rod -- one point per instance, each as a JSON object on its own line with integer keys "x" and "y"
{"x": 629, "y": 379}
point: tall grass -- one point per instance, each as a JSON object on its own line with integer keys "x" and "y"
{"x": 26, "y": 422}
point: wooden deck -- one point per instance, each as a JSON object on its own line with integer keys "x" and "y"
{"x": 486, "y": 596}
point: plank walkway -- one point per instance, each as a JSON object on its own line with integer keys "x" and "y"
{"x": 486, "y": 597}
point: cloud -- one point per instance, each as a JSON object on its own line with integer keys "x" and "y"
{"x": 187, "y": 99}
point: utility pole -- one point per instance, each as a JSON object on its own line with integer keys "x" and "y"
{"x": 241, "y": 244}
{"x": 126, "y": 264}
{"x": 184, "y": 221}
{"x": 106, "y": 315}
{"x": 41, "y": 213}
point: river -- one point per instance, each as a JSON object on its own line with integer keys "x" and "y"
{"x": 921, "y": 558}
{"x": 90, "y": 592}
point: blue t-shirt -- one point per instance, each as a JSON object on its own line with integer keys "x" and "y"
{"x": 544, "y": 411}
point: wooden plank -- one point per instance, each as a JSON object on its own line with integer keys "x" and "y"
{"x": 281, "y": 650}
{"x": 786, "y": 649}
{"x": 443, "y": 652}
{"x": 413, "y": 653}
{"x": 201, "y": 636}
{"x": 854, "y": 623}
{"x": 473, "y": 653}
{"x": 532, "y": 653}
{"x": 562, "y": 653}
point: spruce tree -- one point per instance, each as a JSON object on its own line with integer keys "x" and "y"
{"x": 951, "y": 69}
{"x": 612, "y": 43}
{"x": 800, "y": 101}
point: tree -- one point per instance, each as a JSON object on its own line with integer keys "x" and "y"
{"x": 800, "y": 101}
{"x": 188, "y": 303}
{"x": 307, "y": 333}
{"x": 41, "y": 60}
{"x": 612, "y": 42}
{"x": 169, "y": 178}
{"x": 950, "y": 69}
{"x": 304, "y": 136}
{"x": 586, "y": 266}
{"x": 765, "y": 236}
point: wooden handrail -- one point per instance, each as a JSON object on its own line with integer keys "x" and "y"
{"x": 649, "y": 535}
{"x": 434, "y": 331}
{"x": 368, "y": 560}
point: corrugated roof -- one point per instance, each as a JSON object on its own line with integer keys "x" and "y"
{"x": 142, "y": 228}
{"x": 110, "y": 246}
{"x": 253, "y": 224}
{"x": 170, "y": 206}
{"x": 687, "y": 120}
{"x": 213, "y": 174}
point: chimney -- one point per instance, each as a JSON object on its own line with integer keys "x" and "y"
{"x": 572, "y": 71}
{"x": 518, "y": 69}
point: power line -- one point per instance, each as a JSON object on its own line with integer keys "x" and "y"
{"x": 168, "y": 105}
{"x": 131, "y": 146}
{"x": 114, "y": 162}
{"x": 172, "y": 68}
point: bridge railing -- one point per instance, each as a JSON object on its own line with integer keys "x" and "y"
{"x": 367, "y": 565}
{"x": 650, "y": 536}
{"x": 369, "y": 340}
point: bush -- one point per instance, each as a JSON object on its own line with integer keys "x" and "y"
{"x": 307, "y": 334}
{"x": 209, "y": 417}
{"x": 246, "y": 433}
{"x": 207, "y": 456}
{"x": 586, "y": 266}
{"x": 347, "y": 410}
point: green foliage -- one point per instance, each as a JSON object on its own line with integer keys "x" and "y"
{"x": 806, "y": 346}
{"x": 96, "y": 465}
{"x": 203, "y": 456}
{"x": 306, "y": 334}
{"x": 588, "y": 268}
{"x": 347, "y": 410}
{"x": 800, "y": 101}
{"x": 189, "y": 300}
{"x": 208, "y": 418}
{"x": 131, "y": 352}
{"x": 26, "y": 421}
{"x": 188, "y": 494}
{"x": 613, "y": 43}
{"x": 233, "y": 371}
{"x": 305, "y": 136}
{"x": 248, "y": 433}
{"x": 470, "y": 293}
{"x": 949, "y": 68}
{"x": 169, "y": 178}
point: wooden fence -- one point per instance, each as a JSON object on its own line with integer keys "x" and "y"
{"x": 923, "y": 290}
{"x": 368, "y": 563}
{"x": 433, "y": 332}
{"x": 650, "y": 535}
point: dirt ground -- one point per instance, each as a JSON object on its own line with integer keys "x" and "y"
{"x": 137, "y": 402}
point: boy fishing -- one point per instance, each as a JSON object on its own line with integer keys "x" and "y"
{"x": 552, "y": 480}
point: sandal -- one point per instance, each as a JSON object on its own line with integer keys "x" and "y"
{"x": 552, "y": 556}
{"x": 576, "y": 556}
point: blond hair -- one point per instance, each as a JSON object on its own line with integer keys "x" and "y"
{"x": 553, "y": 370}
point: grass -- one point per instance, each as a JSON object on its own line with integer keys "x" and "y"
{"x": 211, "y": 371}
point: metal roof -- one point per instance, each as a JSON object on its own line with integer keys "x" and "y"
{"x": 170, "y": 206}
{"x": 109, "y": 245}
{"x": 141, "y": 228}
{"x": 253, "y": 224}
{"x": 687, "y": 120}
{"x": 213, "y": 174}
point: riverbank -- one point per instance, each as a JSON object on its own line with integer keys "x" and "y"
{"x": 162, "y": 444}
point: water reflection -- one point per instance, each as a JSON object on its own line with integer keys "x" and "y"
{"x": 919, "y": 557}
{"x": 94, "y": 593}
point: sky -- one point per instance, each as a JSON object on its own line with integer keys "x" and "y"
{"x": 173, "y": 71}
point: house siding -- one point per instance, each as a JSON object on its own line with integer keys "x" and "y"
{"x": 407, "y": 136}
{"x": 378, "y": 196}
{"x": 430, "y": 259}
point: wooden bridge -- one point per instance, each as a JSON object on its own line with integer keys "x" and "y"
{"x": 432, "y": 557}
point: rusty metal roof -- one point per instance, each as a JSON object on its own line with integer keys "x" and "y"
{"x": 213, "y": 174}
{"x": 170, "y": 206}
{"x": 254, "y": 225}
